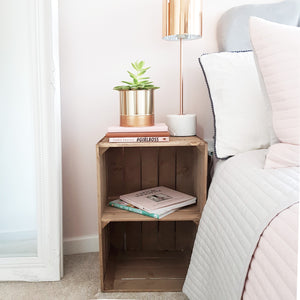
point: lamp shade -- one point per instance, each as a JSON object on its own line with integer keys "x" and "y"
{"x": 182, "y": 19}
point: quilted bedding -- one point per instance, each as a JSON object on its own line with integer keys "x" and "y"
{"x": 243, "y": 199}
{"x": 273, "y": 270}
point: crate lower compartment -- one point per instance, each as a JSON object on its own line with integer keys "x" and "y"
{"x": 141, "y": 271}
{"x": 145, "y": 256}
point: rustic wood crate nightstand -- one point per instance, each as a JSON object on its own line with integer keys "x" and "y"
{"x": 139, "y": 253}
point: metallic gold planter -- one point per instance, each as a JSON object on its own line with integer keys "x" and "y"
{"x": 136, "y": 108}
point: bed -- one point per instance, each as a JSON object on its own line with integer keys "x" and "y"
{"x": 246, "y": 244}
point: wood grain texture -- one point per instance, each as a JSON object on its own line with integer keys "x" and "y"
{"x": 115, "y": 172}
{"x": 146, "y": 271}
{"x": 185, "y": 235}
{"x": 185, "y": 165}
{"x": 132, "y": 182}
{"x": 133, "y": 235}
{"x": 149, "y": 171}
{"x": 167, "y": 236}
{"x": 167, "y": 167}
{"x": 111, "y": 214}
{"x": 132, "y": 170}
{"x": 150, "y": 235}
{"x": 117, "y": 235}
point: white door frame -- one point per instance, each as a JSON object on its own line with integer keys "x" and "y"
{"x": 47, "y": 266}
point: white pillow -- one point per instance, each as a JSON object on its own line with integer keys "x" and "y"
{"x": 277, "y": 49}
{"x": 242, "y": 112}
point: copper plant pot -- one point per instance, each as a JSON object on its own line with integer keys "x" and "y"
{"x": 136, "y": 108}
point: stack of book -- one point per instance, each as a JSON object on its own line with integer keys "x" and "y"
{"x": 157, "y": 133}
{"x": 156, "y": 202}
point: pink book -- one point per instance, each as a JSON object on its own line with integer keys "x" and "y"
{"x": 155, "y": 198}
{"x": 156, "y": 127}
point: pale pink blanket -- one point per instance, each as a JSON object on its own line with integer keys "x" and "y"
{"x": 273, "y": 270}
{"x": 243, "y": 200}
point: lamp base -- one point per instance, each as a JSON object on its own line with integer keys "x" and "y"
{"x": 182, "y": 125}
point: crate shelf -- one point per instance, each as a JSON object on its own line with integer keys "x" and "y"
{"x": 139, "y": 253}
{"x": 112, "y": 214}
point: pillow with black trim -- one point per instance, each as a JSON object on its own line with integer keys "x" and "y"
{"x": 241, "y": 109}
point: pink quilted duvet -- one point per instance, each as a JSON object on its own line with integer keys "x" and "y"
{"x": 273, "y": 269}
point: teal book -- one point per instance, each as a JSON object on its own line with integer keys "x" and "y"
{"x": 126, "y": 206}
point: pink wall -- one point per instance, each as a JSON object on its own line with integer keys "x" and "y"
{"x": 98, "y": 40}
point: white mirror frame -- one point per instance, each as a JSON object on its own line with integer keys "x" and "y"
{"x": 47, "y": 266}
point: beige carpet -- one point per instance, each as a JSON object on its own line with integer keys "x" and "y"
{"x": 80, "y": 282}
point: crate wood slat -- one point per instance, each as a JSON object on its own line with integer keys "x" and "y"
{"x": 167, "y": 177}
{"x": 167, "y": 167}
{"x": 132, "y": 182}
{"x": 133, "y": 235}
{"x": 185, "y": 161}
{"x": 149, "y": 237}
{"x": 183, "y": 240}
{"x": 132, "y": 174}
{"x": 149, "y": 172}
{"x": 117, "y": 235}
{"x": 167, "y": 235}
{"x": 115, "y": 172}
{"x": 139, "y": 253}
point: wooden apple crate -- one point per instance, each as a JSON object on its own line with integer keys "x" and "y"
{"x": 139, "y": 253}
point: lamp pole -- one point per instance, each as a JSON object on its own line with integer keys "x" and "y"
{"x": 181, "y": 76}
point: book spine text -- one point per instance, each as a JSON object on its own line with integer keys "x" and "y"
{"x": 138, "y": 139}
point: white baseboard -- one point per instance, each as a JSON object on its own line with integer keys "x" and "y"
{"x": 81, "y": 244}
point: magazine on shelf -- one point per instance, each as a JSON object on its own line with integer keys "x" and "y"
{"x": 157, "y": 214}
{"x": 156, "y": 198}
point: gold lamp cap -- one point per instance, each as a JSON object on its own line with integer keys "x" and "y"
{"x": 182, "y": 19}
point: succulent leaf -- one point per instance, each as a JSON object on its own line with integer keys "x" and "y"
{"x": 139, "y": 83}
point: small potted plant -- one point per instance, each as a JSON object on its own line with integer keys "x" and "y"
{"x": 136, "y": 98}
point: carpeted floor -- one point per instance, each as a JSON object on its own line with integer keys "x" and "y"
{"x": 80, "y": 282}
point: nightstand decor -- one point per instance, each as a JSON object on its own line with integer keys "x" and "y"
{"x": 137, "y": 98}
{"x": 182, "y": 20}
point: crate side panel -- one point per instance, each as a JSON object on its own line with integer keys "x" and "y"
{"x": 200, "y": 175}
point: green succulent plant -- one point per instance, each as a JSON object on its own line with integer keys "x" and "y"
{"x": 138, "y": 82}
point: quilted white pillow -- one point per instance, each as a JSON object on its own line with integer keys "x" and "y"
{"x": 241, "y": 109}
{"x": 277, "y": 50}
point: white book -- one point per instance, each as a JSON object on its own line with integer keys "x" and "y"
{"x": 158, "y": 198}
{"x": 174, "y": 207}
{"x": 147, "y": 139}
